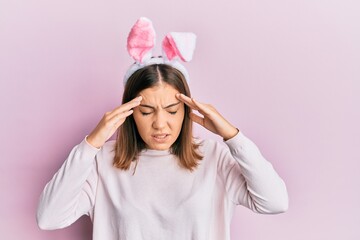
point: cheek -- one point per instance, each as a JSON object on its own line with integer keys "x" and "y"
{"x": 140, "y": 122}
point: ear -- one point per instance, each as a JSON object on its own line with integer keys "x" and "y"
{"x": 141, "y": 40}
{"x": 179, "y": 44}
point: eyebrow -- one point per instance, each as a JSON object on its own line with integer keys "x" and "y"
{"x": 169, "y": 106}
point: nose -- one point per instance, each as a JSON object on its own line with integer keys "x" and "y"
{"x": 159, "y": 121}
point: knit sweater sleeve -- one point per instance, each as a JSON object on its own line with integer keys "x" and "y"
{"x": 71, "y": 192}
{"x": 250, "y": 180}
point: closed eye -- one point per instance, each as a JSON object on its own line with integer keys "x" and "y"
{"x": 145, "y": 113}
{"x": 148, "y": 113}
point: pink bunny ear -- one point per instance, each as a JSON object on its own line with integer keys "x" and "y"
{"x": 179, "y": 44}
{"x": 141, "y": 40}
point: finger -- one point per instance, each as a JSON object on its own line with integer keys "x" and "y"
{"x": 120, "y": 117}
{"x": 126, "y": 106}
{"x": 117, "y": 122}
{"x": 202, "y": 108}
{"x": 194, "y": 104}
{"x": 186, "y": 100}
{"x": 197, "y": 119}
{"x": 131, "y": 104}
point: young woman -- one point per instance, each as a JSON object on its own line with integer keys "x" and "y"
{"x": 156, "y": 181}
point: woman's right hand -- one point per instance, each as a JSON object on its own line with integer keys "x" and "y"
{"x": 110, "y": 122}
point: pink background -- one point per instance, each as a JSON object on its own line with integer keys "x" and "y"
{"x": 285, "y": 72}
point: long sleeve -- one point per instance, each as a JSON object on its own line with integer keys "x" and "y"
{"x": 71, "y": 192}
{"x": 250, "y": 180}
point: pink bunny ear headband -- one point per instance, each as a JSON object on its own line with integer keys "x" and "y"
{"x": 175, "y": 46}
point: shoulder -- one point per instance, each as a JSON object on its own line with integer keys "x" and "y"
{"x": 212, "y": 147}
{"x": 109, "y": 145}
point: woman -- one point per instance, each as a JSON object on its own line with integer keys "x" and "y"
{"x": 156, "y": 181}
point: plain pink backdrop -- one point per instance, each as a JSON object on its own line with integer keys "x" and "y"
{"x": 284, "y": 72}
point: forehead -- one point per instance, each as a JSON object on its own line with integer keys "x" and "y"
{"x": 160, "y": 94}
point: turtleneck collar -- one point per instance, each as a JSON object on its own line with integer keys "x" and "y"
{"x": 152, "y": 152}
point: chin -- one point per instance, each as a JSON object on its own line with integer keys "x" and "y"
{"x": 160, "y": 147}
{"x": 160, "y": 144}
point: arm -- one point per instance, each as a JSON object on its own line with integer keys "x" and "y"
{"x": 71, "y": 192}
{"x": 250, "y": 180}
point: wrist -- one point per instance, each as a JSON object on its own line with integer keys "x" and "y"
{"x": 230, "y": 134}
{"x": 92, "y": 142}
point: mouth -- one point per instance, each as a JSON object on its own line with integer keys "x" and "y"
{"x": 160, "y": 137}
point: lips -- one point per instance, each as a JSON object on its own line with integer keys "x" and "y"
{"x": 161, "y": 137}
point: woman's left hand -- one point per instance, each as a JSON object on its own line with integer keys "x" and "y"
{"x": 211, "y": 119}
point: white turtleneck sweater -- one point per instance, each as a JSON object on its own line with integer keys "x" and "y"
{"x": 161, "y": 201}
